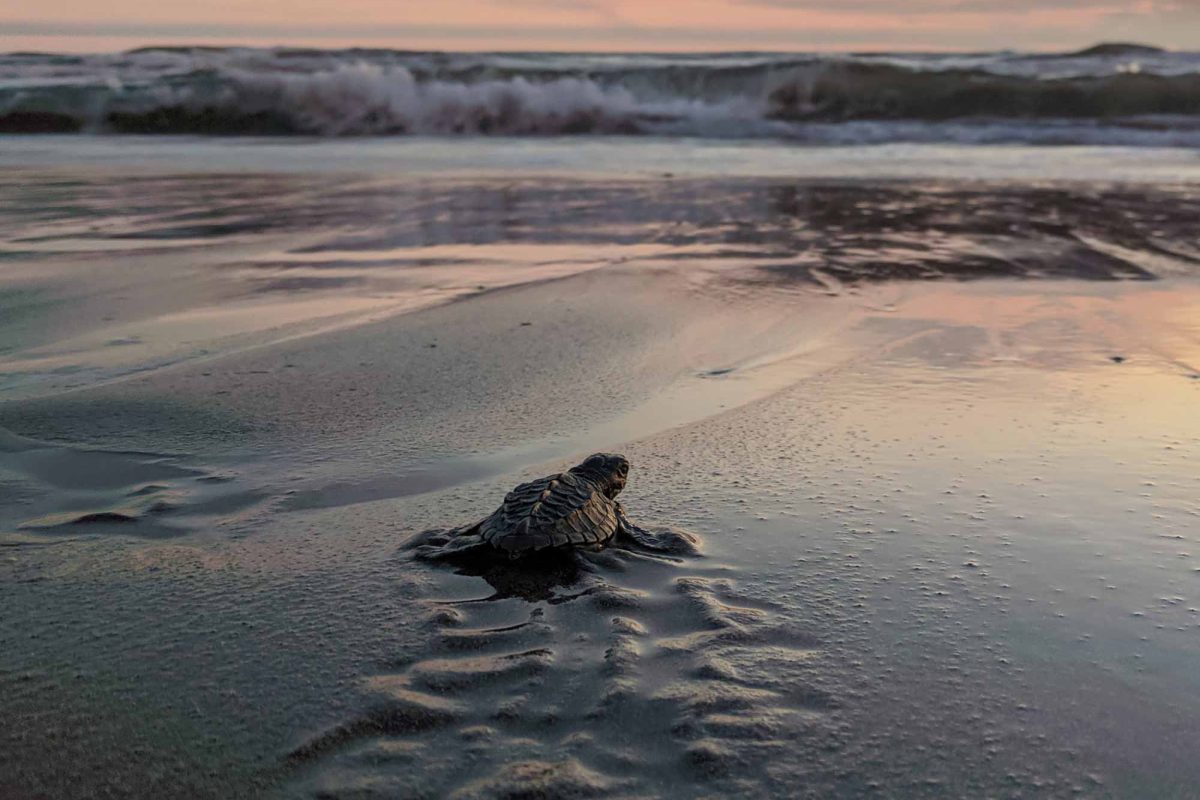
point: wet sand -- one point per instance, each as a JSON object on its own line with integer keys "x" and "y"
{"x": 946, "y": 527}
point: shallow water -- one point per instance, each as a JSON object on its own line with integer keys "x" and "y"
{"x": 935, "y": 439}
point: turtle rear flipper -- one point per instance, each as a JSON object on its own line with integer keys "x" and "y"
{"x": 469, "y": 530}
{"x": 441, "y": 544}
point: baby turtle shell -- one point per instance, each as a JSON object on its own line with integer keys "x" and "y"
{"x": 571, "y": 509}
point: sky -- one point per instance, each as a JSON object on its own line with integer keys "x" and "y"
{"x": 602, "y": 25}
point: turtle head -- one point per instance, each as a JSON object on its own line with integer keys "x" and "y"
{"x": 608, "y": 470}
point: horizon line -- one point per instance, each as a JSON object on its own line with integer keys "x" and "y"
{"x": 122, "y": 36}
{"x": 864, "y": 50}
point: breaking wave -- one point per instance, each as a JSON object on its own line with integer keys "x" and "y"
{"x": 1104, "y": 97}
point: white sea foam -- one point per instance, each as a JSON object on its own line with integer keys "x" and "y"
{"x": 367, "y": 98}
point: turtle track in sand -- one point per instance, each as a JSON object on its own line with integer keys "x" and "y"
{"x": 615, "y": 674}
{"x": 56, "y": 491}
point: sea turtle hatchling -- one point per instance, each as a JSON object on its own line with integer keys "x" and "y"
{"x": 576, "y": 508}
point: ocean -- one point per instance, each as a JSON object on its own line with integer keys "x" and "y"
{"x": 1108, "y": 95}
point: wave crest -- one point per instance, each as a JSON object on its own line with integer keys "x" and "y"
{"x": 368, "y": 99}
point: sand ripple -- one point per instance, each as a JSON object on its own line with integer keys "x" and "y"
{"x": 610, "y": 674}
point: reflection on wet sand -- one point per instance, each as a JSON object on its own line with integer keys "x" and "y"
{"x": 202, "y": 265}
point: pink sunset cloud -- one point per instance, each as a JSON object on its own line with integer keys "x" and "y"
{"x": 664, "y": 25}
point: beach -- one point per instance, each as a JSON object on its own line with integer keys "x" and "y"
{"x": 919, "y": 417}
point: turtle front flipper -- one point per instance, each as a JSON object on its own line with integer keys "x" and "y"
{"x": 640, "y": 537}
{"x": 665, "y": 544}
